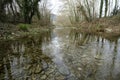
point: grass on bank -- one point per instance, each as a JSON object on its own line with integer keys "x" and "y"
{"x": 23, "y": 27}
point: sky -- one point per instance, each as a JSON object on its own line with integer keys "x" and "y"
{"x": 55, "y": 6}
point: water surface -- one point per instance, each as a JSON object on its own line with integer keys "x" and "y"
{"x": 60, "y": 54}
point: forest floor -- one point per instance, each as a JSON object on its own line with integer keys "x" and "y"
{"x": 107, "y": 27}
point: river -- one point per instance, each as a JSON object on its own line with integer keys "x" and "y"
{"x": 60, "y": 54}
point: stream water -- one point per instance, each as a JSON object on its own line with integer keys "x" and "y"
{"x": 60, "y": 54}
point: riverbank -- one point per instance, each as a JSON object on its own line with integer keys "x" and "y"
{"x": 10, "y": 31}
{"x": 106, "y": 27}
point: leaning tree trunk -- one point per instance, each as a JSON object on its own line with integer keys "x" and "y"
{"x": 88, "y": 9}
{"x": 11, "y": 6}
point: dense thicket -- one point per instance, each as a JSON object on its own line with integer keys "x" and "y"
{"x": 28, "y": 8}
{"x": 17, "y": 11}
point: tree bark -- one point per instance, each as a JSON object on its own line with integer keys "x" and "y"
{"x": 106, "y": 7}
{"x": 101, "y": 8}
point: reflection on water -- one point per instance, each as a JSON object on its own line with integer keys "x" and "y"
{"x": 60, "y": 54}
{"x": 23, "y": 59}
{"x": 98, "y": 58}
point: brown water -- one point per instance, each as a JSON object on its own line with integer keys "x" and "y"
{"x": 60, "y": 54}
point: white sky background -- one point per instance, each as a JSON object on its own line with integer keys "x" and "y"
{"x": 55, "y": 5}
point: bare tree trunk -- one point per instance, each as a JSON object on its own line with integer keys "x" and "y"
{"x": 101, "y": 8}
{"x": 106, "y": 7}
{"x": 109, "y": 9}
{"x": 93, "y": 9}
{"x": 116, "y": 3}
{"x": 8, "y": 9}
{"x": 11, "y": 6}
{"x": 115, "y": 10}
{"x": 84, "y": 13}
{"x": 88, "y": 9}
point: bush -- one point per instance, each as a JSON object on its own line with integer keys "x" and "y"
{"x": 23, "y": 27}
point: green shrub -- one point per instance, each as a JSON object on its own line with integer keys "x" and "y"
{"x": 23, "y": 27}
